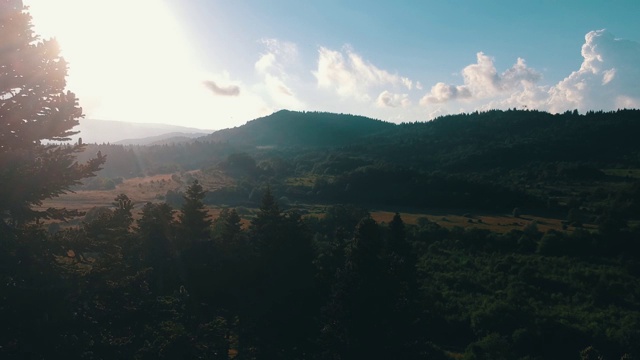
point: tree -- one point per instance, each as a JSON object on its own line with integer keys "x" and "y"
{"x": 35, "y": 111}
{"x": 227, "y": 227}
{"x": 195, "y": 223}
{"x": 280, "y": 316}
{"x": 156, "y": 230}
{"x": 112, "y": 223}
{"x": 356, "y": 311}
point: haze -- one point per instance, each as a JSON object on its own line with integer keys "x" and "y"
{"x": 213, "y": 65}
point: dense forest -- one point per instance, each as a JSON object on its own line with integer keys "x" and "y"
{"x": 490, "y": 161}
{"x": 341, "y": 287}
{"x": 265, "y": 278}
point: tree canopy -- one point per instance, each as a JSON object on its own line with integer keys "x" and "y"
{"x": 35, "y": 113}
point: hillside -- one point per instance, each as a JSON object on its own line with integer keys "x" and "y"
{"x": 490, "y": 161}
{"x": 165, "y": 138}
{"x": 512, "y": 139}
{"x": 109, "y": 131}
{"x": 496, "y": 235}
{"x": 306, "y": 129}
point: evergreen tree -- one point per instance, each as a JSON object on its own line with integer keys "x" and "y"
{"x": 227, "y": 227}
{"x": 355, "y": 312}
{"x": 279, "y": 321}
{"x": 122, "y": 216}
{"x": 373, "y": 299}
{"x": 195, "y": 223}
{"x": 403, "y": 287}
{"x": 156, "y": 231}
{"x": 112, "y": 223}
{"x": 35, "y": 111}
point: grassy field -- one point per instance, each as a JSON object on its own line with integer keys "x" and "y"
{"x": 630, "y": 173}
{"x": 154, "y": 188}
{"x": 139, "y": 190}
{"x": 496, "y": 223}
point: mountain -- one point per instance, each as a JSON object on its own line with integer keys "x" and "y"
{"x": 109, "y": 131}
{"x": 166, "y": 138}
{"x": 308, "y": 129}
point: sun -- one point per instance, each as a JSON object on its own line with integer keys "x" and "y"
{"x": 128, "y": 60}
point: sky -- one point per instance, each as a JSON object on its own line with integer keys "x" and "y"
{"x": 214, "y": 64}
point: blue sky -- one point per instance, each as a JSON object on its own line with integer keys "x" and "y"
{"x": 215, "y": 64}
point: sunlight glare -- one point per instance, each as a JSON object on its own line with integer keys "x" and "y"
{"x": 128, "y": 60}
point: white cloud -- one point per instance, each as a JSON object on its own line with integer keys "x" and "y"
{"x": 281, "y": 94}
{"x": 482, "y": 80}
{"x": 272, "y": 67}
{"x": 407, "y": 83}
{"x": 389, "y": 99}
{"x": 607, "y": 79}
{"x": 519, "y": 75}
{"x": 442, "y": 92}
{"x": 608, "y": 76}
{"x": 349, "y": 75}
{"x": 265, "y": 63}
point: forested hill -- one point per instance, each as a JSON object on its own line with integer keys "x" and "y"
{"x": 464, "y": 143}
{"x": 309, "y": 129}
{"x": 512, "y": 138}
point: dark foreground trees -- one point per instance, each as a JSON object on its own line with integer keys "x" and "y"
{"x": 269, "y": 290}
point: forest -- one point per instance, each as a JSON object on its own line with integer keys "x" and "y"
{"x": 312, "y": 235}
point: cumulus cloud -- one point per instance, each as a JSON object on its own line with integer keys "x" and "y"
{"x": 266, "y": 63}
{"x": 482, "y": 80}
{"x": 231, "y": 90}
{"x": 442, "y": 92}
{"x": 407, "y": 83}
{"x": 349, "y": 75}
{"x": 607, "y": 79}
{"x": 278, "y": 56}
{"x": 272, "y": 66}
{"x": 389, "y": 99}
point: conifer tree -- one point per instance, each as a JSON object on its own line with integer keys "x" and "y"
{"x": 156, "y": 232}
{"x": 282, "y": 317}
{"x": 227, "y": 226}
{"x": 35, "y": 112}
{"x": 195, "y": 222}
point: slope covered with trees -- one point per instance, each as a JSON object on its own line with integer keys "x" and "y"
{"x": 307, "y": 129}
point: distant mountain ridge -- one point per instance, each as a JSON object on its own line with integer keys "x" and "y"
{"x": 129, "y": 133}
{"x": 168, "y": 138}
{"x": 309, "y": 129}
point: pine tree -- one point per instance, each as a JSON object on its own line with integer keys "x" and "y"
{"x": 227, "y": 227}
{"x": 156, "y": 232}
{"x": 280, "y": 319}
{"x": 35, "y": 112}
{"x": 195, "y": 223}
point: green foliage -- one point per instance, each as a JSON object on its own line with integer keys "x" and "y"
{"x": 35, "y": 109}
{"x": 307, "y": 129}
{"x": 194, "y": 220}
{"x": 156, "y": 230}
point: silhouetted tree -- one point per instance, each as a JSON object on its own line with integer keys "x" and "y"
{"x": 227, "y": 227}
{"x": 403, "y": 287}
{"x": 156, "y": 230}
{"x": 35, "y": 110}
{"x": 195, "y": 222}
{"x": 280, "y": 323}
{"x": 354, "y": 316}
